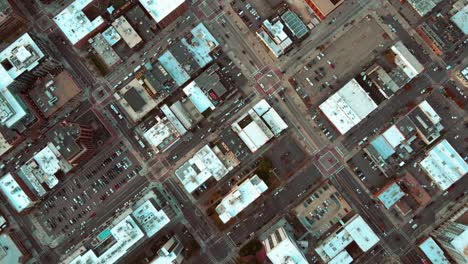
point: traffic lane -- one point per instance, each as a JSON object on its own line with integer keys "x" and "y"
{"x": 255, "y": 217}
{"x": 191, "y": 213}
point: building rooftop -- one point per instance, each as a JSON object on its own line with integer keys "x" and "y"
{"x": 105, "y": 51}
{"x": 444, "y": 165}
{"x": 295, "y": 24}
{"x": 427, "y": 122}
{"x": 159, "y": 80}
{"x": 433, "y": 252}
{"x": 240, "y": 197}
{"x": 4, "y": 145}
{"x": 149, "y": 218}
{"x": 160, "y": 9}
{"x": 415, "y": 190}
{"x": 162, "y": 135}
{"x": 356, "y": 230}
{"x": 14, "y": 193}
{"x": 284, "y": 252}
{"x": 74, "y": 23}
{"x": 174, "y": 68}
{"x": 51, "y": 93}
{"x": 126, "y": 31}
{"x": 274, "y": 37}
{"x": 136, "y": 101}
{"x": 347, "y": 107}
{"x": 423, "y": 7}
{"x": 406, "y": 60}
{"x": 198, "y": 97}
{"x": 173, "y": 119}
{"x": 342, "y": 258}
{"x": 111, "y": 35}
{"x": 125, "y": 234}
{"x": 200, "y": 43}
{"x": 324, "y": 7}
{"x": 64, "y": 137}
{"x": 20, "y": 56}
{"x": 460, "y": 19}
{"x": 202, "y": 166}
{"x": 9, "y": 251}
{"x": 390, "y": 195}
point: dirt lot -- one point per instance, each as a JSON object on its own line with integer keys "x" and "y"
{"x": 340, "y": 61}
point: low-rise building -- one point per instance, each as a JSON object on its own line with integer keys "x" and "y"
{"x": 76, "y": 25}
{"x": 10, "y": 251}
{"x": 423, "y": 7}
{"x": 16, "y": 195}
{"x": 162, "y": 135}
{"x": 281, "y": 248}
{"x": 406, "y": 61}
{"x": 126, "y": 31}
{"x": 433, "y": 251}
{"x": 136, "y": 100}
{"x": 240, "y": 197}
{"x": 204, "y": 164}
{"x": 355, "y": 231}
{"x": 164, "y": 12}
{"x": 111, "y": 36}
{"x": 259, "y": 125}
{"x": 444, "y": 165}
{"x": 390, "y": 194}
{"x": 348, "y": 107}
{"x": 104, "y": 51}
{"x": 200, "y": 43}
{"x": 322, "y": 8}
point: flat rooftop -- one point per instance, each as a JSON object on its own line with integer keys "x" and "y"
{"x": 64, "y": 137}
{"x": 423, "y": 7}
{"x": 162, "y": 135}
{"x": 104, "y": 50}
{"x": 198, "y": 97}
{"x": 4, "y": 145}
{"x": 51, "y": 93}
{"x": 174, "y": 68}
{"x": 390, "y": 195}
{"x": 460, "y": 19}
{"x": 240, "y": 197}
{"x": 444, "y": 165}
{"x": 136, "y": 101}
{"x": 14, "y": 193}
{"x": 126, "y": 31}
{"x": 285, "y": 251}
{"x": 74, "y": 23}
{"x": 111, "y": 36}
{"x": 433, "y": 252}
{"x": 150, "y": 219}
{"x": 200, "y": 43}
{"x": 347, "y": 107}
{"x": 160, "y": 9}
{"x": 406, "y": 60}
{"x": 324, "y": 7}
{"x": 202, "y": 166}
{"x": 9, "y": 251}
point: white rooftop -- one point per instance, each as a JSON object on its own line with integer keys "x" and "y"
{"x": 342, "y": 258}
{"x": 460, "y": 243}
{"x": 406, "y": 61}
{"x": 203, "y": 165}
{"x": 47, "y": 161}
{"x": 111, "y": 35}
{"x": 150, "y": 219}
{"x": 199, "y": 99}
{"x": 356, "y": 230}
{"x": 347, "y": 107}
{"x": 391, "y": 195}
{"x": 13, "y": 192}
{"x": 23, "y": 55}
{"x": 161, "y": 135}
{"x": 126, "y": 233}
{"x": 393, "y": 136}
{"x": 433, "y": 252}
{"x": 126, "y": 31}
{"x": 240, "y": 197}
{"x": 74, "y": 23}
{"x": 159, "y": 9}
{"x": 286, "y": 252}
{"x": 9, "y": 252}
{"x": 444, "y": 165}
{"x": 201, "y": 44}
{"x": 270, "y": 116}
{"x": 430, "y": 112}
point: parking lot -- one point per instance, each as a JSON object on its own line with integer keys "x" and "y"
{"x": 340, "y": 61}
{"x": 249, "y": 14}
{"x": 71, "y": 209}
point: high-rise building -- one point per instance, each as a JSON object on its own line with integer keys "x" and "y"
{"x": 281, "y": 248}
{"x": 453, "y": 236}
